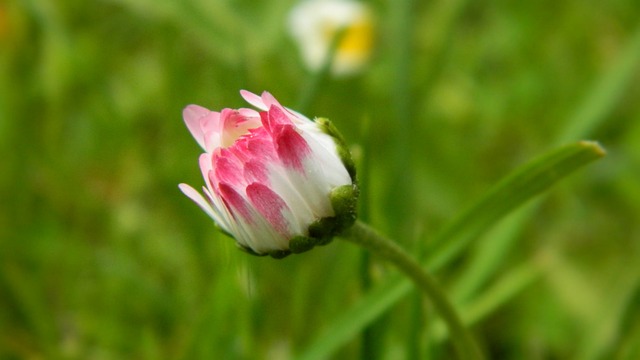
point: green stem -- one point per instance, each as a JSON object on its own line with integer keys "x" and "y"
{"x": 317, "y": 78}
{"x": 367, "y": 237}
{"x": 370, "y": 339}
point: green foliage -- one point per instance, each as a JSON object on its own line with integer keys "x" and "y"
{"x": 101, "y": 256}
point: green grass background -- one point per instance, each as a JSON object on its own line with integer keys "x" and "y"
{"x": 101, "y": 256}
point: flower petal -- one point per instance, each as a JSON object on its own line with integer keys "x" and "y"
{"x": 228, "y": 170}
{"x": 260, "y": 146}
{"x": 271, "y": 206}
{"x": 270, "y": 101}
{"x": 198, "y": 199}
{"x": 206, "y": 167}
{"x": 272, "y": 119}
{"x": 192, "y": 115}
{"x": 291, "y": 147}
{"x": 235, "y": 125}
{"x": 251, "y": 228}
{"x": 256, "y": 171}
{"x": 253, "y": 99}
{"x": 303, "y": 210}
{"x": 325, "y": 154}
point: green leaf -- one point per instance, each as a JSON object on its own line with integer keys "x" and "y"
{"x": 626, "y": 345}
{"x": 490, "y": 254}
{"x": 368, "y": 308}
{"x": 509, "y": 194}
{"x": 504, "y": 289}
{"x": 606, "y": 93}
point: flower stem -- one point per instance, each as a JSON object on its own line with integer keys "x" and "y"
{"x": 319, "y": 76}
{"x": 364, "y": 235}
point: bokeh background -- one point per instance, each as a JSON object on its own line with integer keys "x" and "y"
{"x": 101, "y": 256}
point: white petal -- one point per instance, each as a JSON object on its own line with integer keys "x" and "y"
{"x": 192, "y": 115}
{"x": 253, "y": 99}
{"x": 281, "y": 183}
{"x": 326, "y": 156}
{"x": 269, "y": 100}
{"x": 256, "y": 232}
{"x": 199, "y": 200}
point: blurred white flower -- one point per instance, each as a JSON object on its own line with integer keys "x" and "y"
{"x": 315, "y": 23}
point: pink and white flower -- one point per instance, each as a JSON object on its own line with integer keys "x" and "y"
{"x": 275, "y": 180}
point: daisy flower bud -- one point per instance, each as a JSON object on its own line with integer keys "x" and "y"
{"x": 276, "y": 181}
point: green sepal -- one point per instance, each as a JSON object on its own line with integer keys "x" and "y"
{"x": 279, "y": 254}
{"x": 344, "y": 200}
{"x": 324, "y": 241}
{"x": 328, "y": 128}
{"x": 322, "y": 228}
{"x": 300, "y": 244}
{"x": 276, "y": 254}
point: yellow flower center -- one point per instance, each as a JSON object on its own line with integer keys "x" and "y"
{"x": 358, "y": 39}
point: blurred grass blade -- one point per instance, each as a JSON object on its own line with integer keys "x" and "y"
{"x": 369, "y": 307}
{"x": 318, "y": 78}
{"x": 626, "y": 345}
{"x": 604, "y": 95}
{"x": 215, "y": 25}
{"x": 614, "y": 334}
{"x": 509, "y": 194}
{"x": 490, "y": 253}
{"x": 505, "y": 288}
{"x": 525, "y": 183}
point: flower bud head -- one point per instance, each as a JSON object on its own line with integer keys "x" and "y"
{"x": 276, "y": 181}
